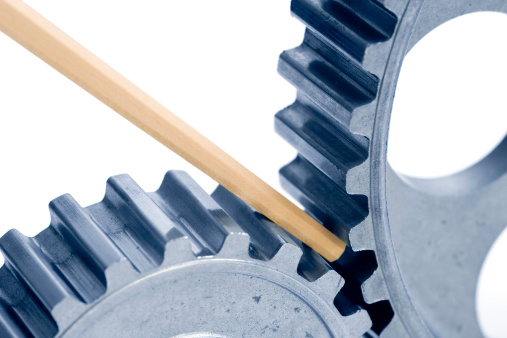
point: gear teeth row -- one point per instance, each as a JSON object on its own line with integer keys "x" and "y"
{"x": 87, "y": 253}
{"x": 10, "y": 326}
{"x": 200, "y": 217}
{"x": 285, "y": 252}
{"x": 317, "y": 78}
{"x": 350, "y": 24}
{"x": 270, "y": 242}
{"x": 32, "y": 289}
{"x": 92, "y": 245}
{"x": 321, "y": 139}
{"x": 323, "y": 198}
{"x": 266, "y": 238}
{"x": 329, "y": 72}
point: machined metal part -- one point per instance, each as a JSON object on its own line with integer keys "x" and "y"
{"x": 175, "y": 262}
{"x": 416, "y": 246}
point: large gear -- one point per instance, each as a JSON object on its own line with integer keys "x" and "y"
{"x": 415, "y": 256}
{"x": 175, "y": 262}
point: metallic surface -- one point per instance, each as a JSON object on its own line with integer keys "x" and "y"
{"x": 175, "y": 262}
{"x": 178, "y": 262}
{"x": 417, "y": 246}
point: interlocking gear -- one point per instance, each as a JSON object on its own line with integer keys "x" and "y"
{"x": 178, "y": 262}
{"x": 175, "y": 262}
{"x": 415, "y": 257}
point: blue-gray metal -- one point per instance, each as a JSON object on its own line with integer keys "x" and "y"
{"x": 175, "y": 262}
{"x": 416, "y": 246}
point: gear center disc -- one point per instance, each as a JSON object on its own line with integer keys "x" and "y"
{"x": 225, "y": 292}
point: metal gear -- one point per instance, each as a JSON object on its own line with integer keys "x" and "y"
{"x": 175, "y": 262}
{"x": 415, "y": 256}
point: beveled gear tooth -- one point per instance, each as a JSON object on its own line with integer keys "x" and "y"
{"x": 358, "y": 322}
{"x": 11, "y": 327}
{"x": 316, "y": 77}
{"x": 323, "y": 198}
{"x": 361, "y": 122}
{"x": 85, "y": 236}
{"x": 31, "y": 266}
{"x": 236, "y": 245}
{"x": 374, "y": 289}
{"x": 265, "y": 236}
{"x": 287, "y": 258}
{"x": 324, "y": 142}
{"x": 24, "y": 307}
{"x": 358, "y": 179}
{"x": 329, "y": 284}
{"x": 349, "y": 25}
{"x": 119, "y": 274}
{"x": 177, "y": 251}
{"x": 142, "y": 219}
{"x": 361, "y": 236}
{"x": 66, "y": 311}
{"x": 200, "y": 217}
{"x": 326, "y": 281}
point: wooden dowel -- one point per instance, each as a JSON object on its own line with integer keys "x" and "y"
{"x": 60, "y": 51}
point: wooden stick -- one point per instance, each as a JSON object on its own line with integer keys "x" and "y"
{"x": 60, "y": 51}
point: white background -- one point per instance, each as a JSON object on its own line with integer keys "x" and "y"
{"x": 213, "y": 63}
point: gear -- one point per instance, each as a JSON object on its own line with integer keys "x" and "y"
{"x": 175, "y": 262}
{"x": 414, "y": 271}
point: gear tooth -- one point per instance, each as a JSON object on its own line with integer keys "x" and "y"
{"x": 177, "y": 251}
{"x": 361, "y": 121}
{"x": 143, "y": 220}
{"x": 32, "y": 267}
{"x": 328, "y": 285}
{"x": 134, "y": 222}
{"x": 348, "y": 25}
{"x": 374, "y": 289}
{"x": 358, "y": 179}
{"x": 325, "y": 83}
{"x": 67, "y": 311}
{"x": 201, "y": 218}
{"x": 323, "y": 198}
{"x": 325, "y": 281}
{"x": 24, "y": 306}
{"x": 235, "y": 245}
{"x": 320, "y": 139}
{"x": 359, "y": 323}
{"x": 94, "y": 247}
{"x": 265, "y": 236}
{"x": 67, "y": 262}
{"x": 11, "y": 327}
{"x": 287, "y": 258}
{"x": 361, "y": 236}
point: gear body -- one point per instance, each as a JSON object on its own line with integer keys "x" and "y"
{"x": 415, "y": 273}
{"x": 176, "y": 262}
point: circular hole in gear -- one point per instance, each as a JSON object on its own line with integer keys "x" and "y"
{"x": 491, "y": 297}
{"x": 449, "y": 118}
